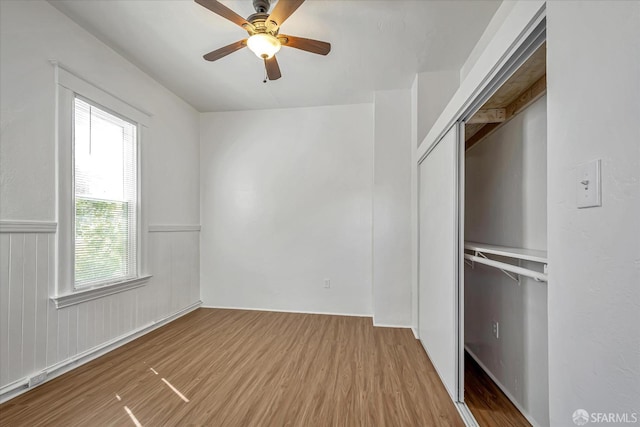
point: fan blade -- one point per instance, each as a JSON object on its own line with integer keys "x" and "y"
{"x": 273, "y": 69}
{"x": 309, "y": 45}
{"x": 224, "y": 51}
{"x": 222, "y": 10}
{"x": 283, "y": 10}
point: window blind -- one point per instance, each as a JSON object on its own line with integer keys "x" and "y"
{"x": 105, "y": 181}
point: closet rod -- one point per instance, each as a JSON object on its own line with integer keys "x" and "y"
{"x": 540, "y": 277}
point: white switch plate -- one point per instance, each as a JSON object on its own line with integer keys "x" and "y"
{"x": 588, "y": 185}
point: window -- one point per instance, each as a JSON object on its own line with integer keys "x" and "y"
{"x": 105, "y": 202}
{"x": 102, "y": 228}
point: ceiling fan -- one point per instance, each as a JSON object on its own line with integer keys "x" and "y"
{"x": 264, "y": 38}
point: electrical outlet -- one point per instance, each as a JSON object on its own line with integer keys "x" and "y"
{"x": 327, "y": 283}
{"x": 37, "y": 379}
{"x": 495, "y": 328}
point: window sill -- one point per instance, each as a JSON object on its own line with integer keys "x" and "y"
{"x": 81, "y": 296}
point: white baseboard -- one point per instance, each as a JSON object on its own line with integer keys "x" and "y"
{"x": 287, "y": 311}
{"x": 415, "y": 332}
{"x": 18, "y": 387}
{"x": 503, "y": 388}
{"x": 327, "y": 313}
{"x": 387, "y": 325}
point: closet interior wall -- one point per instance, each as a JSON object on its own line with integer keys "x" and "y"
{"x": 506, "y": 204}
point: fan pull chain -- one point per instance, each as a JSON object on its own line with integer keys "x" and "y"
{"x": 266, "y": 76}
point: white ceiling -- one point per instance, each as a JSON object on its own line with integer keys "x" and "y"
{"x": 376, "y": 45}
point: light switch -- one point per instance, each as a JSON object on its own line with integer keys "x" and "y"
{"x": 588, "y": 185}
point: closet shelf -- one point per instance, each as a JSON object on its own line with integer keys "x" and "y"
{"x": 519, "y": 253}
{"x": 479, "y": 255}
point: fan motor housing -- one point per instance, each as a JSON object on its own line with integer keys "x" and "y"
{"x": 261, "y": 6}
{"x": 259, "y": 21}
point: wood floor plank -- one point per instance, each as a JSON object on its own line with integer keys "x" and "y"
{"x": 488, "y": 404}
{"x": 249, "y": 368}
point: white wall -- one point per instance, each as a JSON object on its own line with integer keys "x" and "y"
{"x": 506, "y": 204}
{"x": 435, "y": 89}
{"x": 34, "y": 335}
{"x": 497, "y": 21}
{"x": 286, "y": 204}
{"x": 497, "y": 51}
{"x": 391, "y": 209}
{"x": 593, "y": 51}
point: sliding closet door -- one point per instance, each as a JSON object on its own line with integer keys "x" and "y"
{"x": 438, "y": 264}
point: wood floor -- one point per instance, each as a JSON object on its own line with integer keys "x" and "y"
{"x": 247, "y": 368}
{"x": 488, "y": 404}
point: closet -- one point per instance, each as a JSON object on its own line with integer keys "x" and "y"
{"x": 482, "y": 239}
{"x": 505, "y": 258}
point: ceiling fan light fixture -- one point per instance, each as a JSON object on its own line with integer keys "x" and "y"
{"x": 264, "y": 45}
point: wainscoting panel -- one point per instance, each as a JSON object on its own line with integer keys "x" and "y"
{"x": 35, "y": 336}
{"x": 5, "y": 244}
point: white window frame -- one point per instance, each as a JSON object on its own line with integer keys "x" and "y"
{"x": 68, "y": 86}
